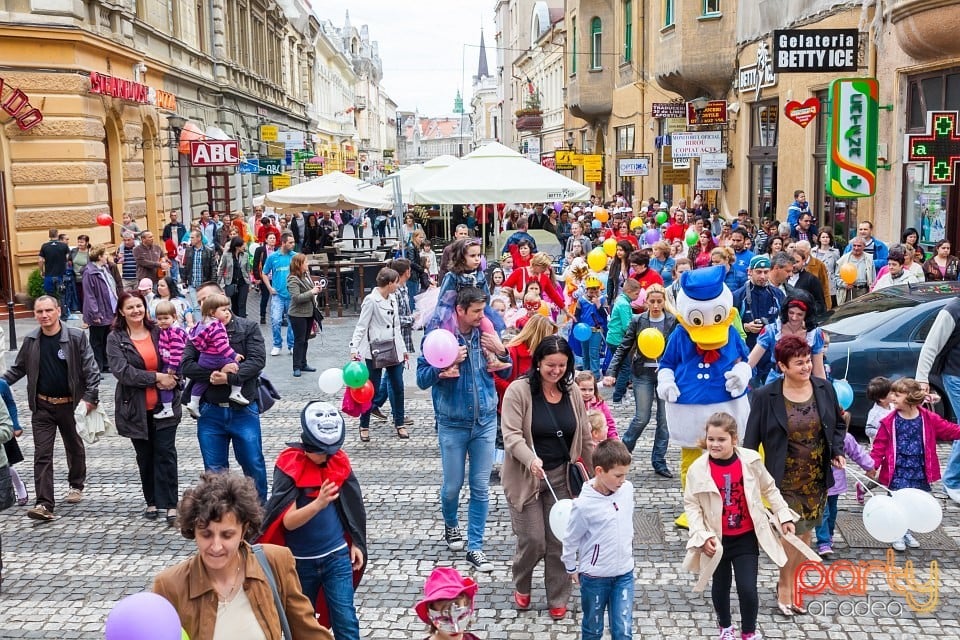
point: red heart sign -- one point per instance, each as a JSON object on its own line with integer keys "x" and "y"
{"x": 802, "y": 113}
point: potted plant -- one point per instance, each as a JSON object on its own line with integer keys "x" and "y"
{"x": 530, "y": 117}
{"x": 34, "y": 288}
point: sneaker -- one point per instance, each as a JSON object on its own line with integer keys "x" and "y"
{"x": 861, "y": 493}
{"x": 193, "y": 410}
{"x": 912, "y": 542}
{"x": 479, "y": 561}
{"x": 454, "y": 538}
{"x": 167, "y": 412}
{"x": 953, "y": 494}
{"x": 727, "y": 633}
{"x": 824, "y": 549}
{"x": 376, "y": 413}
{"x": 408, "y": 421}
{"x": 899, "y": 545}
{"x": 41, "y": 513}
{"x": 76, "y": 495}
{"x": 237, "y": 397}
{"x": 275, "y": 351}
{"x": 290, "y": 351}
{"x": 751, "y": 636}
{"x": 263, "y": 320}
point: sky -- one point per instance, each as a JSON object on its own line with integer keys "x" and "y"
{"x": 422, "y": 46}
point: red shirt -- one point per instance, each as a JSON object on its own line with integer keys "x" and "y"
{"x": 520, "y": 277}
{"x": 728, "y": 476}
{"x": 632, "y": 239}
{"x": 266, "y": 230}
{"x": 647, "y": 278}
{"x": 675, "y": 231}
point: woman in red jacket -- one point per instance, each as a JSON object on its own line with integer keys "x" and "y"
{"x": 538, "y": 270}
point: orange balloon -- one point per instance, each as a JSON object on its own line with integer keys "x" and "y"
{"x": 602, "y": 215}
{"x": 544, "y": 310}
{"x": 848, "y": 273}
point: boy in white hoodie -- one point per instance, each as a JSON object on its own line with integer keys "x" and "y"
{"x": 598, "y": 545}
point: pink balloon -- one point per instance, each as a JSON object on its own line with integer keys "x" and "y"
{"x": 486, "y": 326}
{"x": 440, "y": 348}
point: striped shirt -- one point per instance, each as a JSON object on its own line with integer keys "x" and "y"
{"x": 210, "y": 337}
{"x": 172, "y": 342}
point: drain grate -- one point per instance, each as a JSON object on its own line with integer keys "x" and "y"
{"x": 647, "y": 528}
{"x": 855, "y": 535}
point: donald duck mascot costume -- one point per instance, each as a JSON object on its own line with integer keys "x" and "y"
{"x": 704, "y": 367}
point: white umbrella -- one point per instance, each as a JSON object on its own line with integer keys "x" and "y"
{"x": 417, "y": 174}
{"x": 494, "y": 173}
{"x": 334, "y": 190}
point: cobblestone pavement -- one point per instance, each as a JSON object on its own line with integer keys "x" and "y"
{"x": 62, "y": 578}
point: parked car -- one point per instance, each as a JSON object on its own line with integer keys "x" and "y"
{"x": 881, "y": 334}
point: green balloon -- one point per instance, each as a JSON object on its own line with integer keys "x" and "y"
{"x": 661, "y": 217}
{"x": 183, "y": 634}
{"x": 692, "y": 237}
{"x": 355, "y": 374}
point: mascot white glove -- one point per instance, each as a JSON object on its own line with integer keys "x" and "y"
{"x": 738, "y": 378}
{"x": 667, "y": 387}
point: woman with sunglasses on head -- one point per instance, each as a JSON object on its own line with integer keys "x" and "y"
{"x": 796, "y": 319}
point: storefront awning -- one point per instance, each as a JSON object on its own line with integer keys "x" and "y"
{"x": 191, "y": 132}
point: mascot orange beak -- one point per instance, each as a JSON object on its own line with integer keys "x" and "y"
{"x": 712, "y": 336}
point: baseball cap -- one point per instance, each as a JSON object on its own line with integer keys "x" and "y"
{"x": 146, "y": 284}
{"x": 759, "y": 262}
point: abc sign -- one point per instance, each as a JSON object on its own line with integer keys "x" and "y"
{"x": 214, "y": 153}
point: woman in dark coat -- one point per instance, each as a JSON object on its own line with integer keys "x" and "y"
{"x": 133, "y": 353}
{"x": 800, "y": 424}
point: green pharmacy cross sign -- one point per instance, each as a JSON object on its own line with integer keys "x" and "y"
{"x": 938, "y": 149}
{"x": 852, "y": 138}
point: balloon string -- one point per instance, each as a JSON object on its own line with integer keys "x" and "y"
{"x": 545, "y": 479}
{"x": 847, "y": 368}
{"x": 866, "y": 481}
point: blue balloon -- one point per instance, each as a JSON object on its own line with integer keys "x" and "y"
{"x": 844, "y": 393}
{"x": 582, "y": 332}
{"x": 595, "y": 224}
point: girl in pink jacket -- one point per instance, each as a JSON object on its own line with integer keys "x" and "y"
{"x": 905, "y": 449}
{"x": 593, "y": 401}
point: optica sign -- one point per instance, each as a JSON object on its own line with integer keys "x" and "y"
{"x": 852, "y": 138}
{"x": 214, "y": 153}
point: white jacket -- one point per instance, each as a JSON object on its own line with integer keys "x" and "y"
{"x": 600, "y": 533}
{"x": 379, "y": 320}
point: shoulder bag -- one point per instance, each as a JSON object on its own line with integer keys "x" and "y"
{"x": 272, "y": 581}
{"x": 577, "y": 474}
{"x": 383, "y": 353}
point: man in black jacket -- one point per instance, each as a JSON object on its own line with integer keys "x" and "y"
{"x": 803, "y": 279}
{"x": 61, "y": 373}
{"x": 198, "y": 267}
{"x": 222, "y": 421}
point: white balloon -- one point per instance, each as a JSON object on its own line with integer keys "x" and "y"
{"x": 884, "y": 519}
{"x": 331, "y": 380}
{"x": 922, "y": 510}
{"x": 559, "y": 517}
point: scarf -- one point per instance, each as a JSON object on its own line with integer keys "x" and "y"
{"x": 306, "y": 474}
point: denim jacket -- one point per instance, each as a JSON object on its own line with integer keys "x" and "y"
{"x": 469, "y": 399}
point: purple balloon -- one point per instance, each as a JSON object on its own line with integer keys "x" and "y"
{"x": 440, "y": 348}
{"x": 558, "y": 206}
{"x": 143, "y": 616}
{"x": 651, "y": 236}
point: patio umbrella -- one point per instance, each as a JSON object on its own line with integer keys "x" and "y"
{"x": 334, "y": 190}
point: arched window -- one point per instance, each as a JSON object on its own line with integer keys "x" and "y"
{"x": 596, "y": 33}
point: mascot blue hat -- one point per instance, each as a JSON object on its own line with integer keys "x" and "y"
{"x": 703, "y": 284}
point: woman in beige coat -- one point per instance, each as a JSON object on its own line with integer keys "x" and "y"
{"x": 544, "y": 424}
{"x": 723, "y": 500}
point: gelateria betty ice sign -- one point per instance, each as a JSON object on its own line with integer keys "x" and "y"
{"x": 815, "y": 50}
{"x": 16, "y": 104}
{"x": 852, "y": 138}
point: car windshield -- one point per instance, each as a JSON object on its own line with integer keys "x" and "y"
{"x": 864, "y": 315}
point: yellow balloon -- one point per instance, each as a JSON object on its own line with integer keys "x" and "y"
{"x": 636, "y": 222}
{"x": 610, "y": 247}
{"x": 544, "y": 310}
{"x": 597, "y": 259}
{"x": 651, "y": 342}
{"x": 602, "y": 215}
{"x": 848, "y": 273}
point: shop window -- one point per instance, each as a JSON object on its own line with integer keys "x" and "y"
{"x": 596, "y": 41}
{"x": 765, "y": 121}
{"x": 218, "y": 192}
{"x": 763, "y": 159}
{"x": 837, "y": 215}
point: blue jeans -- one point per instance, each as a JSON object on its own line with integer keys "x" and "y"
{"x": 951, "y": 477}
{"x": 333, "y": 574}
{"x": 218, "y": 426}
{"x": 620, "y": 389}
{"x": 644, "y": 394}
{"x": 456, "y": 443}
{"x": 386, "y": 382}
{"x": 279, "y": 308}
{"x": 413, "y": 288}
{"x": 591, "y": 354}
{"x": 612, "y": 594}
{"x": 828, "y": 524}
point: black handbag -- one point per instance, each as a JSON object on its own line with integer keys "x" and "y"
{"x": 230, "y": 290}
{"x": 383, "y": 353}
{"x": 267, "y": 394}
{"x": 8, "y": 497}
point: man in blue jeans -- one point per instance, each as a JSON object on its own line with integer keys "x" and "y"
{"x": 465, "y": 404}
{"x": 941, "y": 355}
{"x": 274, "y": 276}
{"x": 222, "y": 422}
